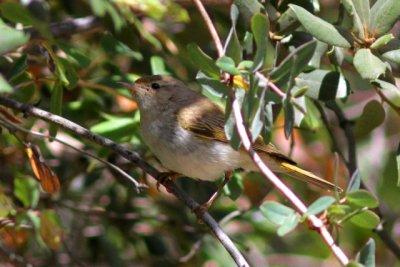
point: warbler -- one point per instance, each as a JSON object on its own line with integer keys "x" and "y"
{"x": 185, "y": 131}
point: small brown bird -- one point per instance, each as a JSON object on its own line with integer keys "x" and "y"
{"x": 185, "y": 131}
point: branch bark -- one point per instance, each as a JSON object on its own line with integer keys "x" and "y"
{"x": 135, "y": 158}
{"x": 317, "y": 224}
{"x": 351, "y": 163}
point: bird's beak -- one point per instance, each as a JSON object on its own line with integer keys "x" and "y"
{"x": 129, "y": 86}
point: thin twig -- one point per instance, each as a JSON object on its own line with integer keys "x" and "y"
{"x": 134, "y": 158}
{"x": 300, "y": 206}
{"x": 211, "y": 28}
{"x": 316, "y": 223}
{"x": 14, "y": 127}
{"x": 351, "y": 163}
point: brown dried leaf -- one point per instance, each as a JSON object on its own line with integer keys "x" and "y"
{"x": 9, "y": 116}
{"x": 48, "y": 179}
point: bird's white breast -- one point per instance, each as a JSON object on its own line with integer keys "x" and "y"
{"x": 183, "y": 152}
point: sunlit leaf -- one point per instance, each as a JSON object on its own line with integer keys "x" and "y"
{"x": 11, "y": 39}
{"x": 367, "y": 254}
{"x": 276, "y": 212}
{"x": 355, "y": 182}
{"x": 365, "y": 219}
{"x": 227, "y": 64}
{"x": 384, "y": 13}
{"x": 324, "y": 85}
{"x": 201, "y": 60}
{"x": 27, "y": 191}
{"x": 362, "y": 198}
{"x": 369, "y": 66}
{"x": 288, "y": 224}
{"x": 382, "y": 41}
{"x": 320, "y": 205}
{"x": 319, "y": 28}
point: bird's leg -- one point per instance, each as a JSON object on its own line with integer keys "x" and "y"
{"x": 206, "y": 205}
{"x": 164, "y": 176}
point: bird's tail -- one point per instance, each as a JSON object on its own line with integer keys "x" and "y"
{"x": 307, "y": 177}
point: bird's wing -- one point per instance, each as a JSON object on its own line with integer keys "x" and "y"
{"x": 207, "y": 120}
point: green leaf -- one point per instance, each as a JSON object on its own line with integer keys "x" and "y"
{"x": 19, "y": 66}
{"x": 201, "y": 60}
{"x": 112, "y": 46}
{"x": 354, "y": 264}
{"x": 289, "y": 117}
{"x": 324, "y": 85}
{"x": 6, "y": 204}
{"x": 369, "y": 66}
{"x": 5, "y": 87}
{"x": 11, "y": 38}
{"x": 227, "y": 64}
{"x": 293, "y": 64}
{"x": 393, "y": 56}
{"x": 362, "y": 198}
{"x": 319, "y": 28}
{"x": 288, "y": 224}
{"x": 157, "y": 65}
{"x": 320, "y": 51}
{"x": 16, "y": 13}
{"x": 384, "y": 13}
{"x": 235, "y": 186}
{"x": 367, "y": 254}
{"x": 233, "y": 49}
{"x": 355, "y": 182}
{"x": 320, "y": 205}
{"x": 339, "y": 210}
{"x": 388, "y": 88}
{"x": 398, "y": 165}
{"x": 230, "y": 124}
{"x": 363, "y": 10}
{"x": 365, "y": 219}
{"x": 260, "y": 29}
{"x": 382, "y": 41}
{"x": 276, "y": 212}
{"x": 56, "y": 105}
{"x": 373, "y": 115}
{"x": 117, "y": 128}
{"x": 26, "y": 190}
{"x": 248, "y": 8}
{"x": 215, "y": 87}
{"x": 358, "y": 26}
{"x": 66, "y": 72}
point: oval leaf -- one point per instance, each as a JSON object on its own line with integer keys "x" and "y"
{"x": 319, "y": 28}
{"x": 365, "y": 219}
{"x": 369, "y": 66}
{"x": 320, "y": 205}
{"x": 362, "y": 198}
{"x": 276, "y": 212}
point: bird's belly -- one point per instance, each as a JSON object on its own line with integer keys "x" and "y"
{"x": 192, "y": 156}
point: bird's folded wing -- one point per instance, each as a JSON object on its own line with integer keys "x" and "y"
{"x": 207, "y": 120}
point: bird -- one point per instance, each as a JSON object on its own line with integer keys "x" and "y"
{"x": 185, "y": 131}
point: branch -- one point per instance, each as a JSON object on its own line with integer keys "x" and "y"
{"x": 134, "y": 158}
{"x": 211, "y": 28}
{"x": 351, "y": 163}
{"x": 316, "y": 223}
{"x": 67, "y": 27}
{"x": 300, "y": 206}
{"x": 14, "y": 127}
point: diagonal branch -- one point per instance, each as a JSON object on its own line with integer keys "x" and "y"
{"x": 134, "y": 158}
{"x": 351, "y": 163}
{"x": 317, "y": 224}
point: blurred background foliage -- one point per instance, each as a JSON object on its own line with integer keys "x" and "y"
{"x": 68, "y": 57}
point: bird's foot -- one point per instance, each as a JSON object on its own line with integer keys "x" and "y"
{"x": 164, "y": 177}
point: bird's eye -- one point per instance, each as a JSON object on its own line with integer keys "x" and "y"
{"x": 155, "y": 86}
